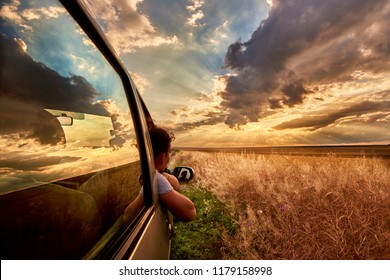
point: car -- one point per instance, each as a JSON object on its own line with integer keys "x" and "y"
{"x": 75, "y": 143}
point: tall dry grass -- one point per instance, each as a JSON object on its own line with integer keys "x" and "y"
{"x": 292, "y": 207}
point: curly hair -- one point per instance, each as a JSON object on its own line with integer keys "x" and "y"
{"x": 161, "y": 139}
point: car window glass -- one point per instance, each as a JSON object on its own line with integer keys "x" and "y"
{"x": 69, "y": 162}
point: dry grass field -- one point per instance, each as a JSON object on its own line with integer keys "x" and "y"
{"x": 292, "y": 207}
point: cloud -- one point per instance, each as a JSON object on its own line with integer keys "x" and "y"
{"x": 23, "y": 80}
{"x": 21, "y": 43}
{"x": 126, "y": 28}
{"x": 47, "y": 12}
{"x": 196, "y": 4}
{"x": 140, "y": 81}
{"x": 201, "y": 110}
{"x": 195, "y": 11}
{"x": 208, "y": 119}
{"x": 193, "y": 20}
{"x": 220, "y": 34}
{"x": 368, "y": 111}
{"x": 17, "y": 82}
{"x": 11, "y": 12}
{"x": 35, "y": 163}
{"x": 299, "y": 46}
{"x": 21, "y": 120}
{"x": 198, "y": 115}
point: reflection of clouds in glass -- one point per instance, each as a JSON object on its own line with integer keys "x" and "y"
{"x": 84, "y": 65}
{"x": 64, "y": 91}
{"x": 121, "y": 119}
{"x": 64, "y": 73}
{"x": 26, "y": 120}
{"x": 86, "y": 129}
{"x": 34, "y": 164}
{"x": 55, "y": 92}
{"x": 48, "y": 28}
{"x": 13, "y": 12}
{"x": 47, "y": 12}
{"x": 21, "y": 43}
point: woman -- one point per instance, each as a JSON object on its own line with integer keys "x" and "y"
{"x": 168, "y": 185}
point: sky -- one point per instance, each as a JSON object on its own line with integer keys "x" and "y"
{"x": 258, "y": 73}
{"x": 224, "y": 73}
{"x": 49, "y": 68}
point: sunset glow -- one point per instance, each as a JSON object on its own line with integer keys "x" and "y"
{"x": 251, "y": 73}
{"x": 263, "y": 72}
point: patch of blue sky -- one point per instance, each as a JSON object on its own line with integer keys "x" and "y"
{"x": 169, "y": 18}
{"x": 230, "y": 20}
{"x": 59, "y": 44}
{"x": 190, "y": 67}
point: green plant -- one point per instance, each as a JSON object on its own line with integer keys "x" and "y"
{"x": 202, "y": 238}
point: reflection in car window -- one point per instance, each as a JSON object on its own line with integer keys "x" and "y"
{"x": 69, "y": 162}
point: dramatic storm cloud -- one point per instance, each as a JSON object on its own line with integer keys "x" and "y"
{"x": 300, "y": 46}
{"x": 25, "y": 79}
{"x": 278, "y": 72}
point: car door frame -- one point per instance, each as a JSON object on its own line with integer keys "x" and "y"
{"x": 148, "y": 237}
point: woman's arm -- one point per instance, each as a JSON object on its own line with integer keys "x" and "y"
{"x": 133, "y": 209}
{"x": 179, "y": 205}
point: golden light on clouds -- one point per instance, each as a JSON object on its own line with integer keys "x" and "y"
{"x": 11, "y": 12}
{"x": 21, "y": 43}
{"x": 260, "y": 72}
{"x": 126, "y": 28}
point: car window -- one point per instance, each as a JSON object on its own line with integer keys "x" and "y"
{"x": 69, "y": 161}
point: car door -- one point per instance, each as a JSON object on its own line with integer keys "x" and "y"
{"x": 75, "y": 145}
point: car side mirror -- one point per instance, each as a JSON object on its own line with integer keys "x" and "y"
{"x": 65, "y": 120}
{"x": 182, "y": 173}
